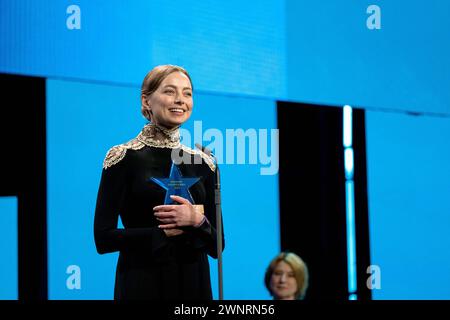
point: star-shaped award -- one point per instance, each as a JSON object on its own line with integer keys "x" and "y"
{"x": 175, "y": 184}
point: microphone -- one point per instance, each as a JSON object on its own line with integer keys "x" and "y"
{"x": 217, "y": 173}
{"x": 203, "y": 148}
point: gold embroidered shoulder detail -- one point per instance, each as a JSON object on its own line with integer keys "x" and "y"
{"x": 117, "y": 153}
{"x": 207, "y": 158}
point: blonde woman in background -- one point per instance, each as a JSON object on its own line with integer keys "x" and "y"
{"x": 286, "y": 277}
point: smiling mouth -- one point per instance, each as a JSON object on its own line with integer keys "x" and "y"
{"x": 177, "y": 110}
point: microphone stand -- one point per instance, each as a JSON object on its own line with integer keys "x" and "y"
{"x": 219, "y": 230}
{"x": 217, "y": 200}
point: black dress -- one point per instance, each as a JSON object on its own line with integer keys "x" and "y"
{"x": 152, "y": 265}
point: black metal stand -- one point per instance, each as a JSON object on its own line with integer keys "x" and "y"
{"x": 219, "y": 231}
{"x": 217, "y": 197}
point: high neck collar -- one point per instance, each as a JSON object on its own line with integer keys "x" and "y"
{"x": 154, "y": 135}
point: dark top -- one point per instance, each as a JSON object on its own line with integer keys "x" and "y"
{"x": 152, "y": 265}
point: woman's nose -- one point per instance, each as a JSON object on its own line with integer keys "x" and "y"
{"x": 179, "y": 99}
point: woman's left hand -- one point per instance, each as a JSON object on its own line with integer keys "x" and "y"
{"x": 178, "y": 215}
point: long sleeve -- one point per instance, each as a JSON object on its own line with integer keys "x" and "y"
{"x": 206, "y": 234}
{"x": 110, "y": 199}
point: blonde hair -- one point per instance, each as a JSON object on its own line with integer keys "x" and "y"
{"x": 298, "y": 266}
{"x": 153, "y": 80}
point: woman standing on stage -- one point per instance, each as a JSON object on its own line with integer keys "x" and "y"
{"x": 163, "y": 247}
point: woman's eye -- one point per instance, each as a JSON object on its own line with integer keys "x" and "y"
{"x": 188, "y": 94}
{"x": 169, "y": 91}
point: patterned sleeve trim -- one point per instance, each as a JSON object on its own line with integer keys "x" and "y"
{"x": 117, "y": 153}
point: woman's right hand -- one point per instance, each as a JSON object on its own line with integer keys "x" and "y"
{"x": 173, "y": 232}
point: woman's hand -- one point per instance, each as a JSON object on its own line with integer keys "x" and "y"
{"x": 175, "y": 216}
{"x": 173, "y": 232}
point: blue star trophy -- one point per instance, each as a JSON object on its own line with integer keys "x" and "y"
{"x": 176, "y": 185}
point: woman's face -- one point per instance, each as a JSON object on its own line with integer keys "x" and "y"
{"x": 282, "y": 282}
{"x": 171, "y": 104}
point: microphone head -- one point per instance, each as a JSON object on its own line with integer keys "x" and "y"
{"x": 199, "y": 146}
{"x": 209, "y": 153}
{"x": 204, "y": 149}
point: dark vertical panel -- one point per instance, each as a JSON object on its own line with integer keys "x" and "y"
{"x": 23, "y": 171}
{"x": 361, "y": 203}
{"x": 312, "y": 195}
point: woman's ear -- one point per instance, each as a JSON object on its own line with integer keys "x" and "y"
{"x": 144, "y": 101}
{"x": 145, "y": 108}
